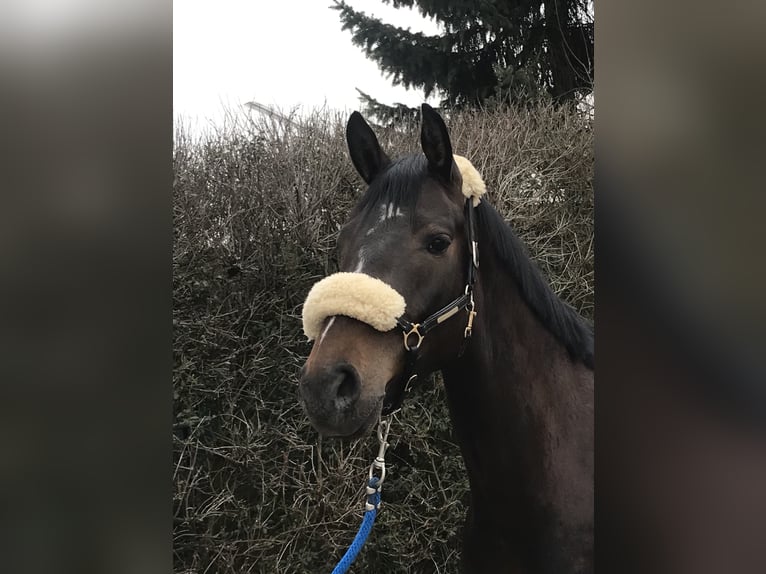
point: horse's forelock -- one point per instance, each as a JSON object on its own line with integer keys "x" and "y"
{"x": 398, "y": 187}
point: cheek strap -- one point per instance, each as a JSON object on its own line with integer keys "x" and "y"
{"x": 356, "y": 295}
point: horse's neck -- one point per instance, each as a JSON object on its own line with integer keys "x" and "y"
{"x": 522, "y": 411}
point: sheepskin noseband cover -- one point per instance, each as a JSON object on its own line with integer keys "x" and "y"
{"x": 356, "y": 295}
{"x": 473, "y": 185}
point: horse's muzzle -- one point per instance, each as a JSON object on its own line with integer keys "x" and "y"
{"x": 332, "y": 399}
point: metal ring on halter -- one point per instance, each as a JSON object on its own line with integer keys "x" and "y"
{"x": 415, "y": 330}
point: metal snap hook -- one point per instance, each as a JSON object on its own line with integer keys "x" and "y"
{"x": 471, "y": 315}
{"x": 379, "y": 464}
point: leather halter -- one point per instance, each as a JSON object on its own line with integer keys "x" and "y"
{"x": 414, "y": 333}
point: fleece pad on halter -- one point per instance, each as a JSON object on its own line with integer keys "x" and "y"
{"x": 356, "y": 295}
{"x": 473, "y": 185}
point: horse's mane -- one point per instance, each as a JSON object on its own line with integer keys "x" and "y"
{"x": 561, "y": 320}
{"x": 400, "y": 185}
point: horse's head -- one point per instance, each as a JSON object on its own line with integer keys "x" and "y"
{"x": 405, "y": 252}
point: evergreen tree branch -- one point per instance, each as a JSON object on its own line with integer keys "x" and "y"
{"x": 489, "y": 51}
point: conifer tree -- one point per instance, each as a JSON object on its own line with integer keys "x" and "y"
{"x": 488, "y": 51}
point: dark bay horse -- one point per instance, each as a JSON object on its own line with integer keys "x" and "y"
{"x": 520, "y": 389}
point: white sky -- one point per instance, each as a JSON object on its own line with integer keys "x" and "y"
{"x": 278, "y": 53}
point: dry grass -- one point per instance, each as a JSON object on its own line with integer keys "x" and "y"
{"x": 256, "y": 211}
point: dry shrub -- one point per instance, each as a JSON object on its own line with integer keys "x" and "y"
{"x": 256, "y": 210}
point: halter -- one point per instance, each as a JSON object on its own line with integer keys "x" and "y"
{"x": 414, "y": 333}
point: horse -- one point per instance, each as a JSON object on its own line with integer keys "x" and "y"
{"x": 517, "y": 362}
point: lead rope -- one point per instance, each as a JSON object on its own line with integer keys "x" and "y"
{"x": 372, "y": 504}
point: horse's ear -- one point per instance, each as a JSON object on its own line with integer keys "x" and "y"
{"x": 434, "y": 138}
{"x": 366, "y": 154}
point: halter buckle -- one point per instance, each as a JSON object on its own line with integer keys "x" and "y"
{"x": 415, "y": 330}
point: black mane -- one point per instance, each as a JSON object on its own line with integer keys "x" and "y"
{"x": 560, "y": 319}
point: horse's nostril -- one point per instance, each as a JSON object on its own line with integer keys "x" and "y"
{"x": 348, "y": 387}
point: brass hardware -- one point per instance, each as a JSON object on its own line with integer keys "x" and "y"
{"x": 469, "y": 327}
{"x": 471, "y": 314}
{"x": 414, "y": 331}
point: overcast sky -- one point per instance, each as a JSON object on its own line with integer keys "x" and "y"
{"x": 282, "y": 54}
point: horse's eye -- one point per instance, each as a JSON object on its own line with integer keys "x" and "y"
{"x": 438, "y": 244}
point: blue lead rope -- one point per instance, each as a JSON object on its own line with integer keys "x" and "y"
{"x": 371, "y": 511}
